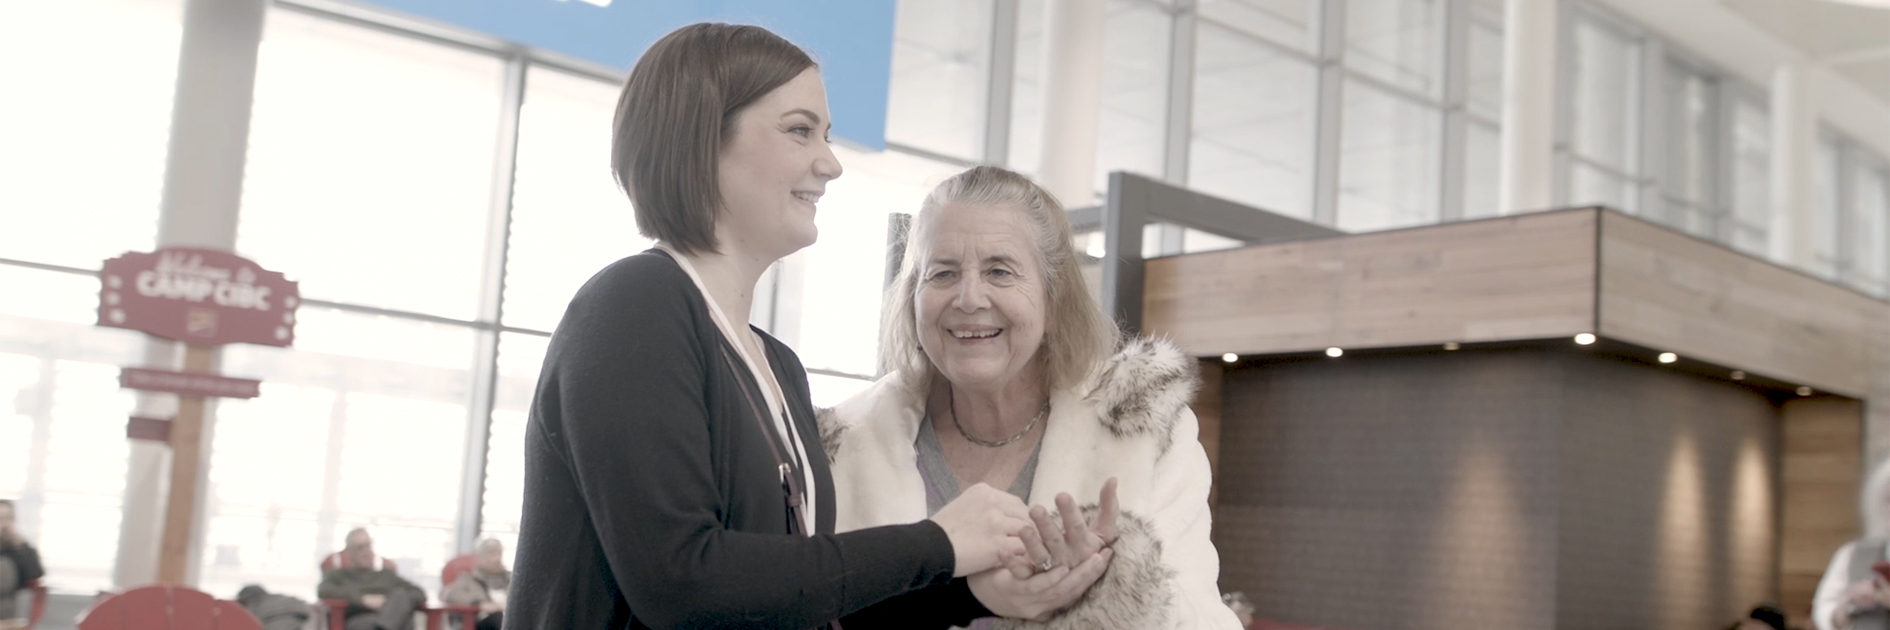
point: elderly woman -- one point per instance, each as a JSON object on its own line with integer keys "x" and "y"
{"x": 1853, "y": 595}
{"x": 667, "y": 479}
{"x": 999, "y": 371}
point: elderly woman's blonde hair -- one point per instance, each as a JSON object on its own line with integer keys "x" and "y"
{"x": 1077, "y": 334}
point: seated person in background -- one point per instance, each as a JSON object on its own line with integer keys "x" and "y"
{"x": 483, "y": 586}
{"x": 378, "y": 598}
{"x": 276, "y": 612}
{"x": 19, "y": 564}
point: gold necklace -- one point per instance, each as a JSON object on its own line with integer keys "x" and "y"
{"x": 951, "y": 402}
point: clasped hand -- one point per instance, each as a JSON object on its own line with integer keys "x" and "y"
{"x": 1059, "y": 562}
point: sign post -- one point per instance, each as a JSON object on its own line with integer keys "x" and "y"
{"x": 204, "y": 298}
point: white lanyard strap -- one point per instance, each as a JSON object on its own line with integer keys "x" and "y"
{"x": 770, "y": 387}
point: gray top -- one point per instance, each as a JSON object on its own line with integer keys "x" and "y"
{"x": 941, "y": 486}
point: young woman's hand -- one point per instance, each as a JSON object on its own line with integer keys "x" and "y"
{"x": 1039, "y": 596}
{"x": 982, "y": 524}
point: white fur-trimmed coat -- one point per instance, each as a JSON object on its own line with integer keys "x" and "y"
{"x": 1129, "y": 421}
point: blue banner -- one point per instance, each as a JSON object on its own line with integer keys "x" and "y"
{"x": 851, "y": 39}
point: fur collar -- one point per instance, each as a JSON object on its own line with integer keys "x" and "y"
{"x": 1142, "y": 389}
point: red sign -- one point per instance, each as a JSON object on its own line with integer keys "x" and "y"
{"x": 199, "y": 296}
{"x": 188, "y": 383}
{"x": 154, "y": 429}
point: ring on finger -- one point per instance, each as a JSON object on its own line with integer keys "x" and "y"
{"x": 1043, "y": 566}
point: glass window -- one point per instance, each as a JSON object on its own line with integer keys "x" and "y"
{"x": 1484, "y": 88}
{"x": 1480, "y": 170}
{"x": 84, "y": 473}
{"x": 1389, "y": 153}
{"x": 569, "y": 220}
{"x": 1751, "y": 177}
{"x": 1691, "y": 130}
{"x": 369, "y": 413}
{"x": 1825, "y": 223}
{"x": 1589, "y": 186}
{"x": 1870, "y": 203}
{"x": 1604, "y": 99}
{"x": 834, "y": 305}
{"x": 1026, "y": 150}
{"x": 84, "y": 127}
{"x": 827, "y": 390}
{"x": 521, "y": 357}
{"x": 1253, "y": 123}
{"x": 62, "y": 422}
{"x": 1286, "y": 22}
{"x": 1396, "y": 41}
{"x": 941, "y": 67}
{"x": 19, "y": 399}
{"x": 376, "y": 145}
{"x": 1195, "y": 241}
{"x": 268, "y": 471}
{"x": 1134, "y": 123}
{"x": 1691, "y": 151}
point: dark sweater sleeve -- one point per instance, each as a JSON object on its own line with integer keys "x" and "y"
{"x": 26, "y": 560}
{"x": 629, "y": 414}
{"x": 942, "y": 606}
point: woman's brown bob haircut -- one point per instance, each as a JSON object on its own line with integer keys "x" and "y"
{"x": 676, "y": 113}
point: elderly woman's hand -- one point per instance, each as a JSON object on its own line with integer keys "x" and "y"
{"x": 1039, "y": 596}
{"x": 1053, "y": 545}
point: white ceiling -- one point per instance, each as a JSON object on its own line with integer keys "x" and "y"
{"x": 1753, "y": 38}
{"x": 1854, "y": 41}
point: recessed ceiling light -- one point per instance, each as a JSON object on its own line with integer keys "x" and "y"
{"x": 1584, "y": 339}
{"x": 1334, "y": 352}
{"x": 1451, "y": 345}
{"x": 1230, "y": 357}
{"x": 1804, "y": 391}
{"x": 1669, "y": 357}
{"x": 1739, "y": 375}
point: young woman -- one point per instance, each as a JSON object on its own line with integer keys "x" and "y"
{"x": 670, "y": 481}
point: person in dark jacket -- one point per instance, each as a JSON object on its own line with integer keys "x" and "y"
{"x": 19, "y": 564}
{"x": 378, "y": 598}
{"x": 674, "y": 476}
{"x": 275, "y": 611}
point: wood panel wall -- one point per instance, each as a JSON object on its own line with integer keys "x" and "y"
{"x": 1670, "y": 291}
{"x": 1553, "y": 274}
{"x": 1523, "y": 277}
{"x": 1821, "y": 455}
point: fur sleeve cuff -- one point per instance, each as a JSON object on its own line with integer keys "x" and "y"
{"x": 1136, "y": 592}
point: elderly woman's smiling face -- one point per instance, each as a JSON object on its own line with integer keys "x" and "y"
{"x": 981, "y": 296}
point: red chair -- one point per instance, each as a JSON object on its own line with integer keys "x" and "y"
{"x": 436, "y": 615}
{"x": 38, "y": 611}
{"x": 163, "y": 607}
{"x": 457, "y": 567}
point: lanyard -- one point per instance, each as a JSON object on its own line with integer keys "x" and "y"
{"x": 790, "y": 458}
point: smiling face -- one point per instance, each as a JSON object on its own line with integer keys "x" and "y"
{"x": 775, "y": 167}
{"x": 981, "y": 297}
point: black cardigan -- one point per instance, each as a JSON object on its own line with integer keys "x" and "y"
{"x": 652, "y": 498}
